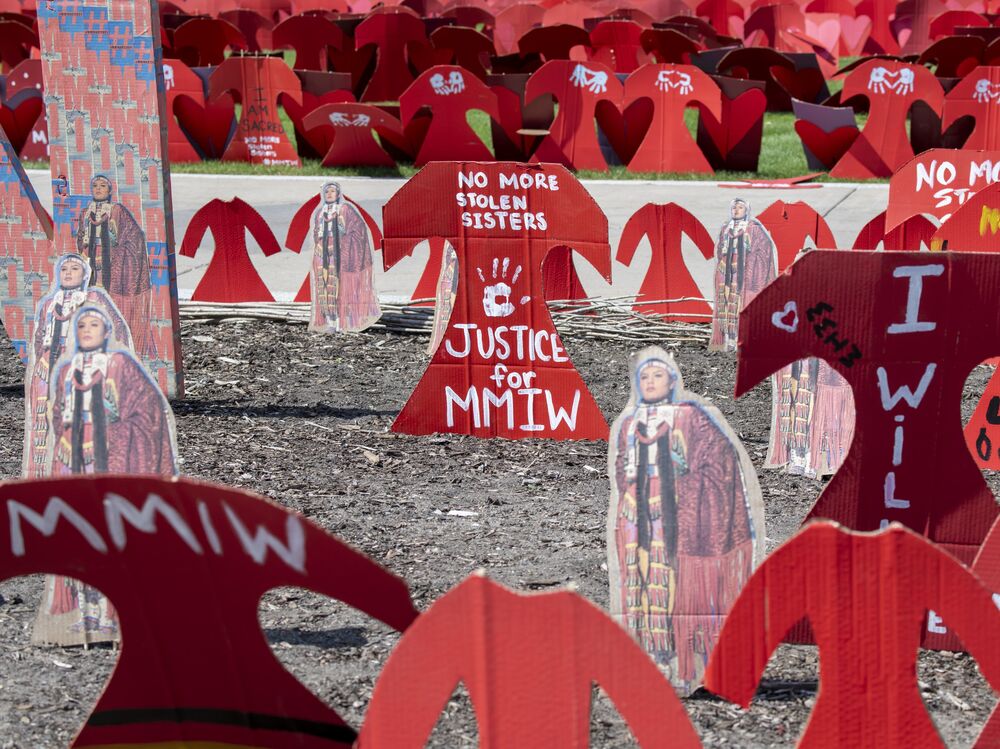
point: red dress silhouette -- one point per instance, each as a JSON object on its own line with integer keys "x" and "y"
{"x": 230, "y": 276}
{"x": 904, "y": 329}
{"x": 668, "y": 276}
{"x": 908, "y": 236}
{"x": 218, "y": 550}
{"x": 866, "y": 597}
{"x": 528, "y": 662}
{"x": 509, "y": 216}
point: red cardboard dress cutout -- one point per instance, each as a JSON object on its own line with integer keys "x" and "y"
{"x": 179, "y": 79}
{"x": 578, "y": 87}
{"x": 260, "y": 137}
{"x": 354, "y": 127}
{"x": 866, "y": 597}
{"x": 978, "y": 95}
{"x": 529, "y": 663}
{"x": 231, "y": 276}
{"x": 501, "y": 370}
{"x": 891, "y": 89}
{"x": 219, "y": 550}
{"x": 391, "y": 31}
{"x": 668, "y": 145}
{"x": 451, "y": 93}
{"x": 668, "y": 277}
{"x": 938, "y": 181}
{"x": 904, "y": 329}
{"x": 791, "y": 225}
{"x": 912, "y": 235}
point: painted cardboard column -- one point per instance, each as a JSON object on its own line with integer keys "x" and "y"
{"x": 104, "y": 95}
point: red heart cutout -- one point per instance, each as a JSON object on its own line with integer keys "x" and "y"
{"x": 19, "y": 121}
{"x": 209, "y": 127}
{"x": 624, "y": 131}
{"x": 739, "y": 116}
{"x": 803, "y": 85}
{"x": 854, "y": 32}
{"x": 827, "y": 147}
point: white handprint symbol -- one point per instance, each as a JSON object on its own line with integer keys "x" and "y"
{"x": 596, "y": 81}
{"x": 905, "y": 84}
{"x": 877, "y": 82}
{"x": 667, "y": 79}
{"x": 492, "y": 294}
{"x": 361, "y": 120}
{"x": 456, "y": 81}
{"x": 339, "y": 119}
{"x": 982, "y": 93}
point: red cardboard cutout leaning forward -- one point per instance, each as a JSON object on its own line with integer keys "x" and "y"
{"x": 912, "y": 235}
{"x": 529, "y": 663}
{"x": 668, "y": 280}
{"x": 891, "y": 89}
{"x": 866, "y": 597}
{"x": 219, "y": 550}
{"x": 794, "y": 226}
{"x": 938, "y": 181}
{"x": 904, "y": 329}
{"x": 977, "y": 95}
{"x": 501, "y": 370}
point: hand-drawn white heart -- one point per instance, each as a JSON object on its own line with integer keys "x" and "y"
{"x": 787, "y": 319}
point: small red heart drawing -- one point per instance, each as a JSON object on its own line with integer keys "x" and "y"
{"x": 827, "y": 147}
{"x": 739, "y": 116}
{"x": 209, "y": 127}
{"x": 19, "y": 121}
{"x": 787, "y": 319}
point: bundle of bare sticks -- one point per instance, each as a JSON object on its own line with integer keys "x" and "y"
{"x": 609, "y": 318}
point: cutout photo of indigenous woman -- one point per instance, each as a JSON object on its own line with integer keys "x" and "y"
{"x": 686, "y": 520}
{"x": 343, "y": 296}
{"x": 813, "y": 419}
{"x": 746, "y": 261}
{"x": 108, "y": 416}
{"x": 53, "y": 322}
{"x": 113, "y": 242}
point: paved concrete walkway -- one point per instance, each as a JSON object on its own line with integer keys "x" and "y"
{"x": 846, "y": 208}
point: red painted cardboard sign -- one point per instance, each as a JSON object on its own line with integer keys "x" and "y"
{"x": 906, "y": 348}
{"x": 496, "y": 642}
{"x": 891, "y": 89}
{"x": 668, "y": 282}
{"x": 578, "y": 87}
{"x": 912, "y": 235}
{"x": 792, "y": 226}
{"x": 668, "y": 145}
{"x": 260, "y": 137}
{"x": 972, "y": 227}
{"x": 982, "y": 435}
{"x": 938, "y": 181}
{"x": 25, "y": 80}
{"x": 450, "y": 92}
{"x": 110, "y": 180}
{"x": 391, "y": 31}
{"x": 502, "y": 370}
{"x": 866, "y": 597}
{"x": 219, "y": 549}
{"x": 352, "y": 129}
{"x": 976, "y": 95}
{"x": 27, "y": 254}
{"x": 230, "y": 276}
